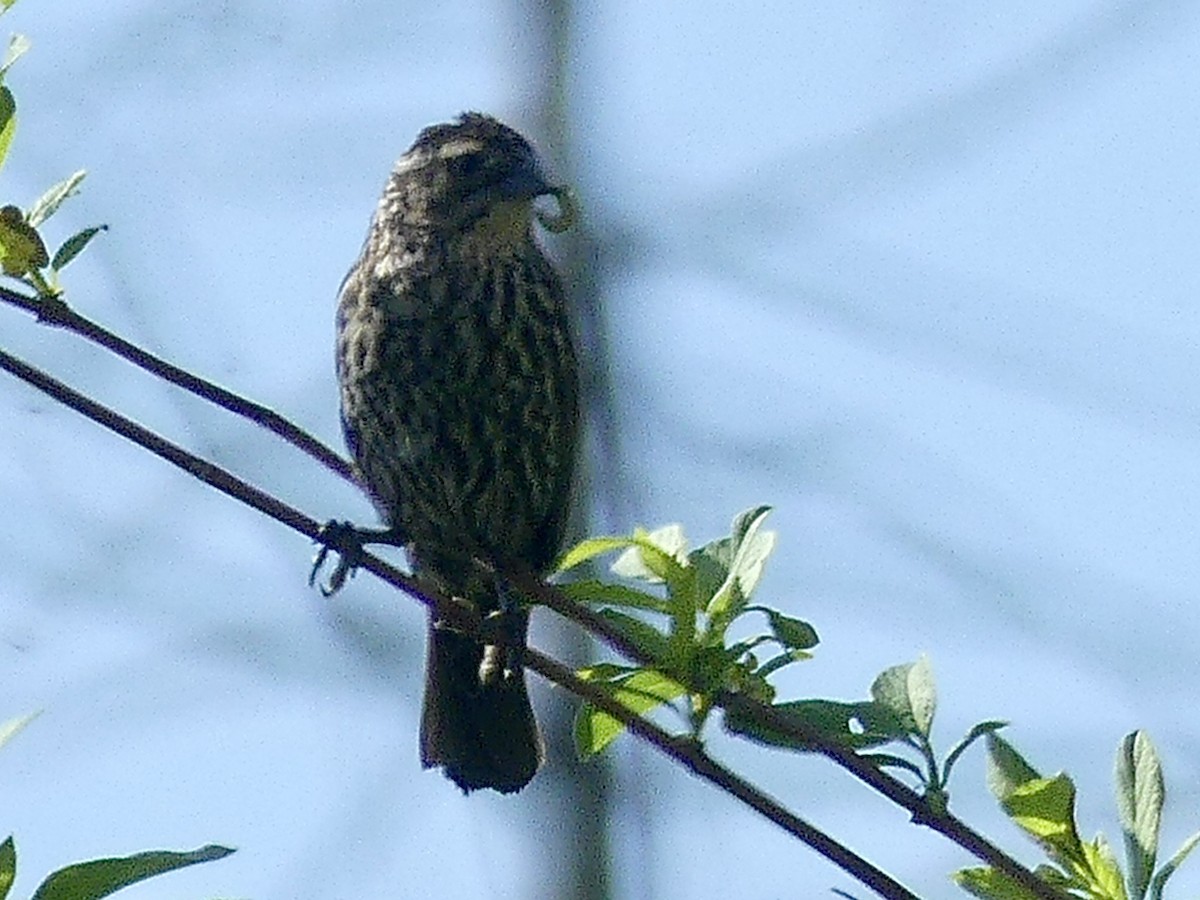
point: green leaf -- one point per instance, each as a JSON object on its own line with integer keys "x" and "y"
{"x": 647, "y": 638}
{"x": 795, "y": 634}
{"x": 590, "y": 549}
{"x": 18, "y": 44}
{"x": 1168, "y": 869}
{"x": 605, "y": 672}
{"x": 854, "y": 725}
{"x": 775, "y": 663}
{"x": 594, "y": 730}
{"x": 990, "y": 884}
{"x": 1006, "y": 768}
{"x": 922, "y": 692}
{"x": 1140, "y": 797}
{"x": 983, "y": 728}
{"x": 654, "y": 556}
{"x": 1103, "y": 874}
{"x": 640, "y": 692}
{"x": 909, "y": 691}
{"x": 8, "y": 866}
{"x": 890, "y": 760}
{"x": 750, "y": 549}
{"x": 10, "y": 729}
{"x": 660, "y": 556}
{"x": 750, "y": 683}
{"x": 710, "y": 568}
{"x": 1045, "y": 809}
{"x": 101, "y": 877}
{"x": 47, "y": 205}
{"x": 646, "y": 689}
{"x": 712, "y": 668}
{"x": 753, "y": 546}
{"x": 589, "y": 591}
{"x": 20, "y": 245}
{"x": 73, "y": 246}
{"x": 8, "y": 122}
{"x": 5, "y": 5}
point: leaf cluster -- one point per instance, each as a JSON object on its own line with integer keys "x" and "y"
{"x": 704, "y": 591}
{"x": 23, "y": 251}
{"x": 680, "y": 615}
{"x": 1044, "y": 808}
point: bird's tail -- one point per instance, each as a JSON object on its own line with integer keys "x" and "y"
{"x": 476, "y": 722}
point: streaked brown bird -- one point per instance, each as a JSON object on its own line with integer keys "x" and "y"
{"x": 460, "y": 406}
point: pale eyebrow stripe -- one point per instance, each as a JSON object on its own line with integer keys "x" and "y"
{"x": 458, "y": 148}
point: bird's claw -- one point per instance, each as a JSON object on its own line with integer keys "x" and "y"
{"x": 347, "y": 542}
{"x": 505, "y": 628}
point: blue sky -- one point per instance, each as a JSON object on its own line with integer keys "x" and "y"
{"x": 922, "y": 276}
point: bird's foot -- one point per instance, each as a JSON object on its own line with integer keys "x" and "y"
{"x": 347, "y": 541}
{"x": 503, "y": 634}
{"x": 506, "y": 629}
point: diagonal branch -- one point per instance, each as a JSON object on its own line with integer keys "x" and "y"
{"x": 691, "y": 755}
{"x": 55, "y": 311}
{"x": 778, "y": 720}
{"x": 462, "y": 617}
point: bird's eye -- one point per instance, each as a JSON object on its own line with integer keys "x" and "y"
{"x": 470, "y": 166}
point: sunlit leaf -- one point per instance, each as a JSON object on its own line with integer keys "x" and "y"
{"x": 653, "y": 556}
{"x": 1159, "y": 881}
{"x": 8, "y": 122}
{"x": 18, "y": 44}
{"x": 922, "y": 693}
{"x": 980, "y": 730}
{"x": 991, "y": 884}
{"x": 640, "y": 693}
{"x": 590, "y": 549}
{"x": 8, "y": 866}
{"x": 1006, "y": 768}
{"x": 1103, "y": 874}
{"x": 47, "y": 205}
{"x": 21, "y": 246}
{"x": 10, "y": 729}
{"x": 1045, "y": 809}
{"x": 73, "y": 246}
{"x": 856, "y": 725}
{"x": 1140, "y": 797}
{"x": 750, "y": 546}
{"x": 910, "y": 692}
{"x": 101, "y": 877}
{"x": 591, "y": 591}
{"x": 652, "y": 642}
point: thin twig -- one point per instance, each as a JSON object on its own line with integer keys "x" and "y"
{"x": 55, "y": 311}
{"x": 690, "y": 754}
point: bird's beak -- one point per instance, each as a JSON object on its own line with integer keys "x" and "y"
{"x": 530, "y": 182}
{"x": 527, "y": 182}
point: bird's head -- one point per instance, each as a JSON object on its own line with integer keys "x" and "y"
{"x": 477, "y": 173}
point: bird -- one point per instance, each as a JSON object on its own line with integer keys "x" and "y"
{"x": 459, "y": 389}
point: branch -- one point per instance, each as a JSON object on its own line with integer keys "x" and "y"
{"x": 690, "y": 754}
{"x": 462, "y": 617}
{"x": 55, "y": 311}
{"x": 777, "y": 720}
